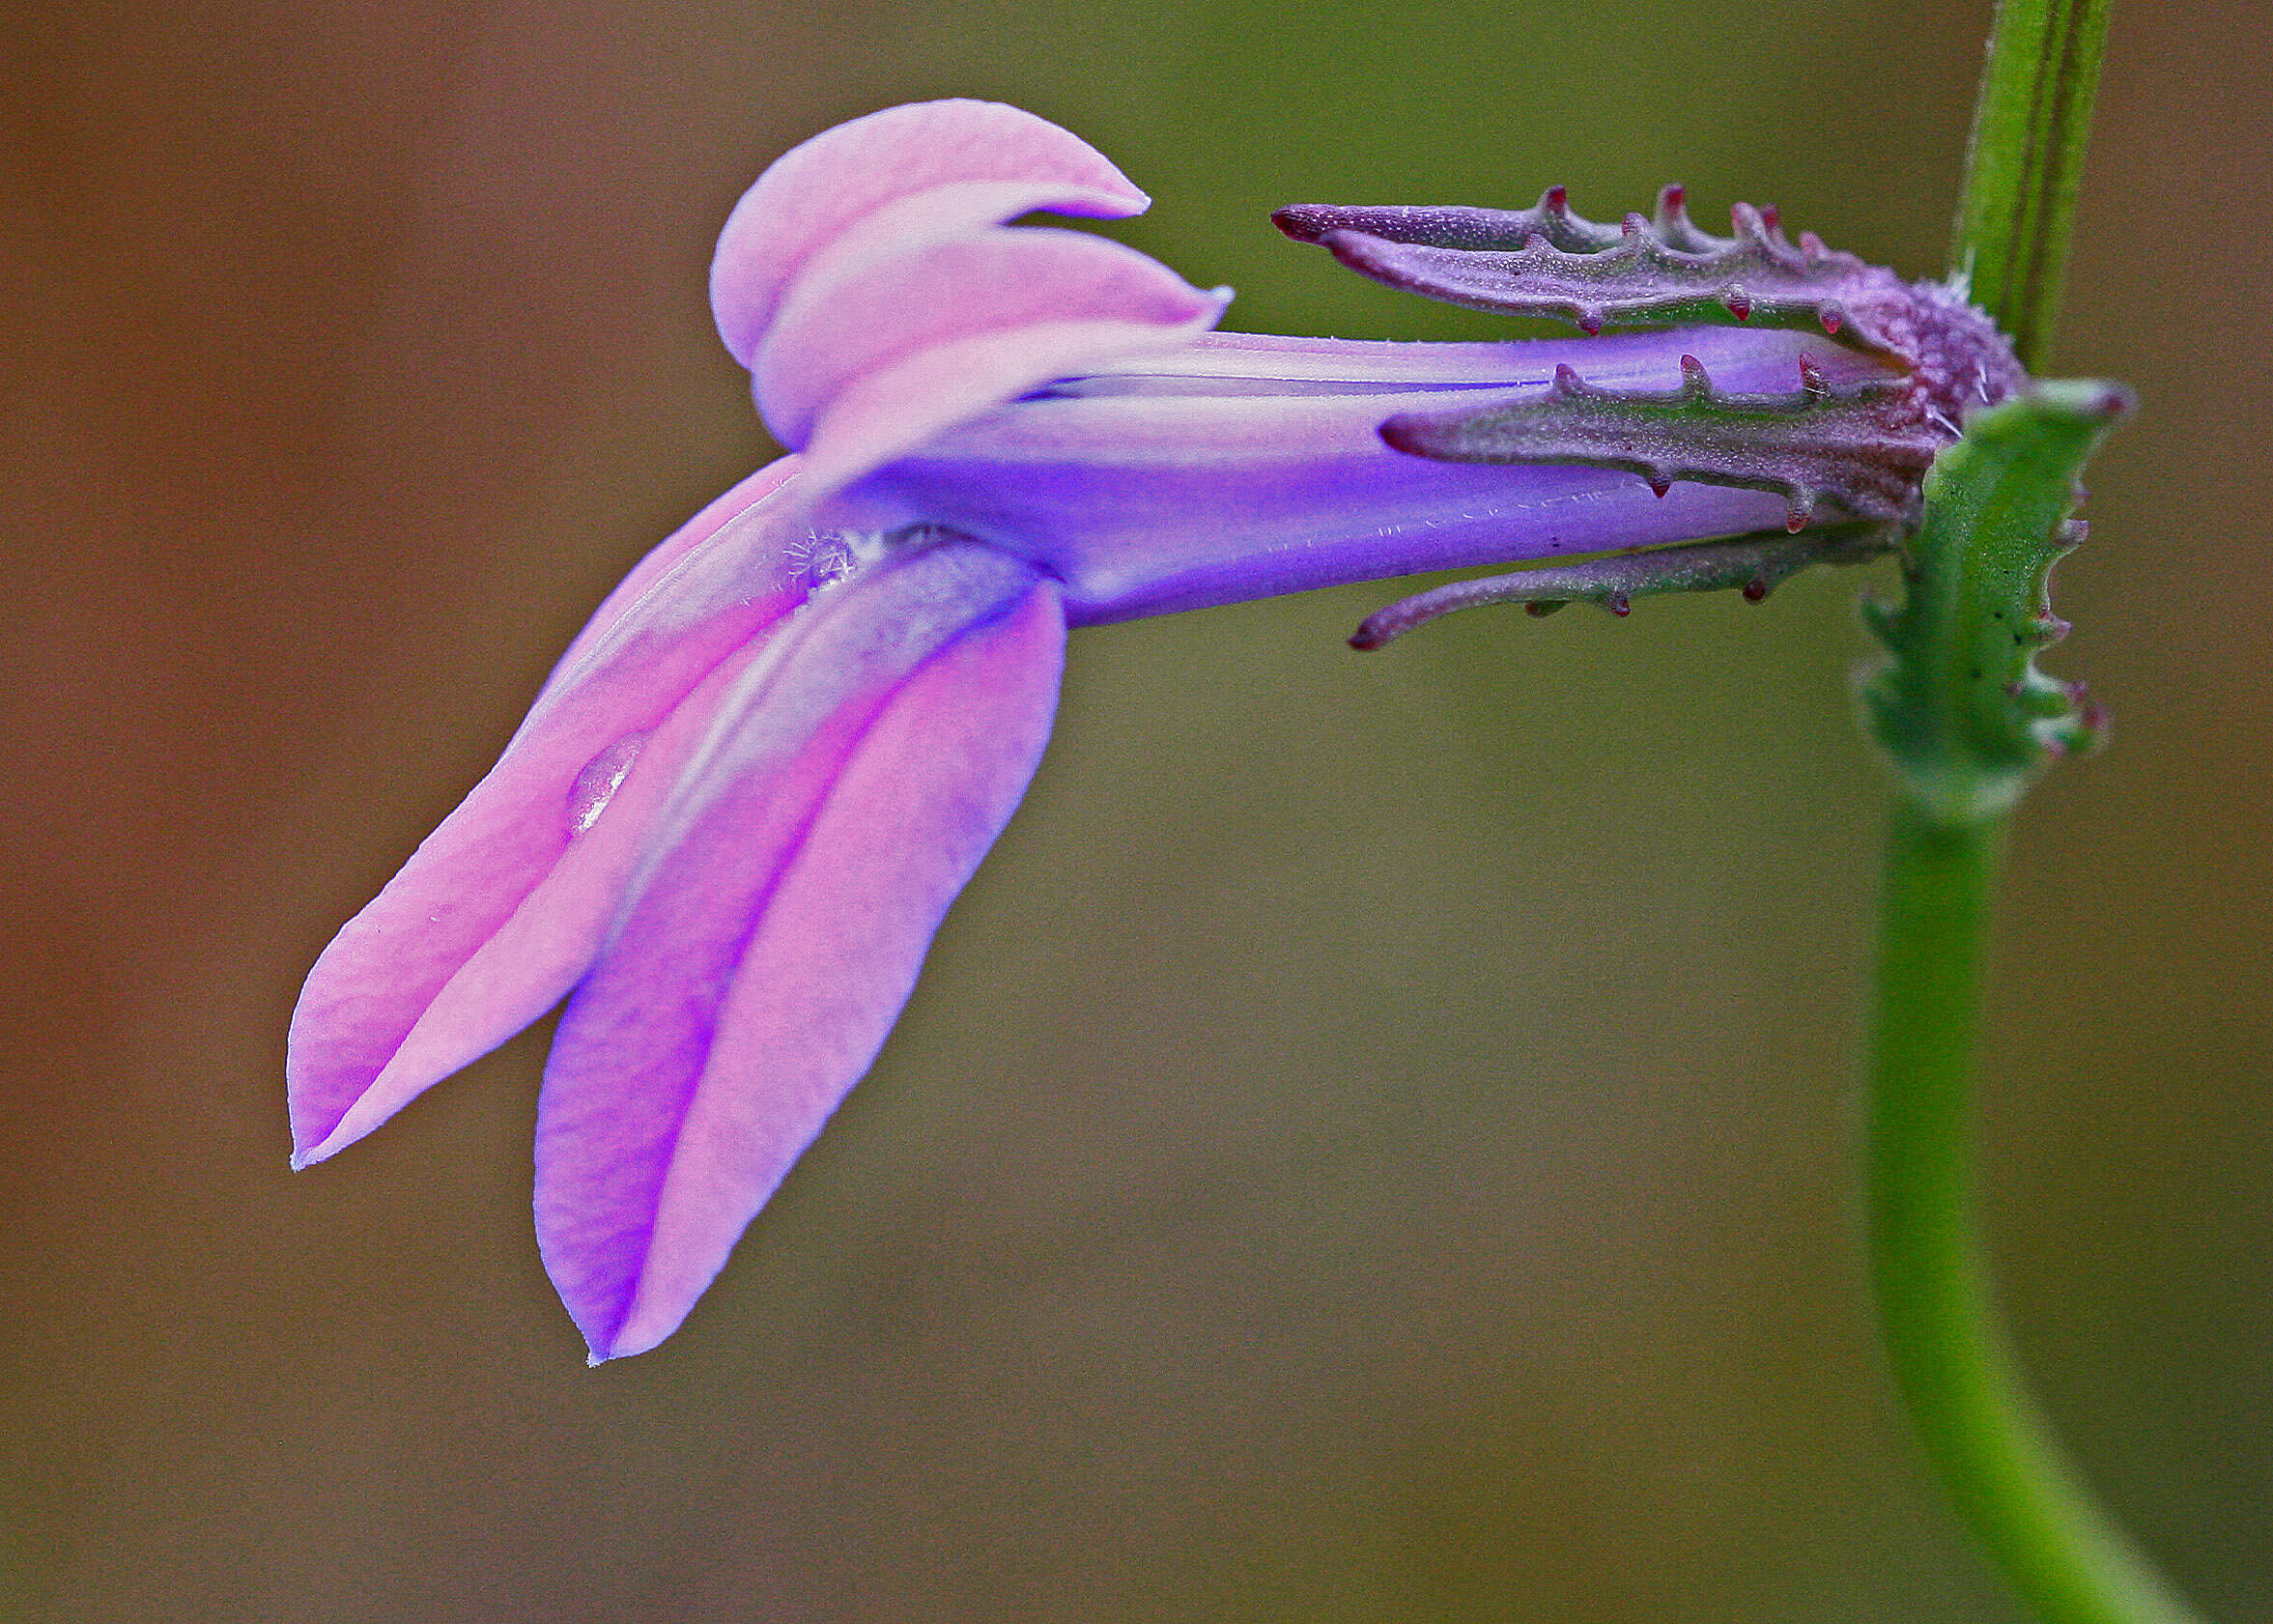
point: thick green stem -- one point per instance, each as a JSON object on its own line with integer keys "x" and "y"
{"x": 1984, "y": 1435}
{"x": 2026, "y": 162}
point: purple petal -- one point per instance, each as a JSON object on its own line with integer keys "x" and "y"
{"x": 874, "y": 354}
{"x": 815, "y": 190}
{"x": 853, "y": 781}
{"x": 503, "y": 906}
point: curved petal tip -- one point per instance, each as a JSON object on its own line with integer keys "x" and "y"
{"x": 815, "y": 190}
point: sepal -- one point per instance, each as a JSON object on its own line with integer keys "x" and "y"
{"x": 1643, "y": 271}
{"x": 1755, "y": 565}
{"x": 1860, "y": 446}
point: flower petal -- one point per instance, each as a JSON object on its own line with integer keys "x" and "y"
{"x": 853, "y": 783}
{"x": 874, "y": 355}
{"x": 815, "y": 190}
{"x": 503, "y": 906}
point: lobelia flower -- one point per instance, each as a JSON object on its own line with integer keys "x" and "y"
{"x": 743, "y": 802}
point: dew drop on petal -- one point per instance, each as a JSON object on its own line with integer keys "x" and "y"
{"x": 596, "y": 784}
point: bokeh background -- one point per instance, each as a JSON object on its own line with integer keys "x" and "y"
{"x": 1374, "y": 1143}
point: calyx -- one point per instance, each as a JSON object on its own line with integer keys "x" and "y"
{"x": 1837, "y": 455}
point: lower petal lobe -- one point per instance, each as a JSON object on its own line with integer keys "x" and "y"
{"x": 849, "y": 788}
{"x": 502, "y": 859}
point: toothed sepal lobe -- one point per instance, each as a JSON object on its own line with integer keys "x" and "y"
{"x": 1664, "y": 270}
{"x": 1751, "y": 564}
{"x": 1856, "y": 447}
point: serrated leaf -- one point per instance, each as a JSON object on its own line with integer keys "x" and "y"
{"x": 1960, "y": 707}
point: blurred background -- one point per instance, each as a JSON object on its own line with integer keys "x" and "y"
{"x": 1374, "y": 1143}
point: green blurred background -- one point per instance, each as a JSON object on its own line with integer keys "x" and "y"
{"x": 1374, "y": 1143}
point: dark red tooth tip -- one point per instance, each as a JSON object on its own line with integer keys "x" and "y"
{"x": 1832, "y": 320}
{"x": 1619, "y": 603}
{"x": 1557, "y": 198}
{"x": 1755, "y": 589}
{"x": 1660, "y": 486}
{"x": 1810, "y": 374}
{"x": 1673, "y": 197}
{"x": 1770, "y": 217}
{"x": 1590, "y": 325}
{"x": 1405, "y": 434}
{"x": 1298, "y": 221}
{"x": 1740, "y": 306}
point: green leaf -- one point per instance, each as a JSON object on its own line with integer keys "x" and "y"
{"x": 1961, "y": 708}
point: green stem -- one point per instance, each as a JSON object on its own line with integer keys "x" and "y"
{"x": 2026, "y": 161}
{"x": 1983, "y": 1435}
{"x": 1994, "y": 520}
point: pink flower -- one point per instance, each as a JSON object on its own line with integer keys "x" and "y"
{"x": 742, "y": 804}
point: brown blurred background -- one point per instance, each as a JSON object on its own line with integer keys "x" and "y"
{"x": 1374, "y": 1142}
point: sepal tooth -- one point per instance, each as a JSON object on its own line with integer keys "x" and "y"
{"x": 1673, "y": 226}
{"x": 1880, "y": 618}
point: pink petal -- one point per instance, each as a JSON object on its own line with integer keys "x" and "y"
{"x": 740, "y": 503}
{"x": 502, "y": 906}
{"x": 851, "y": 789}
{"x": 873, "y": 356}
{"x": 815, "y": 191}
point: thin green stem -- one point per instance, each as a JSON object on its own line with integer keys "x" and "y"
{"x": 1995, "y": 513}
{"x": 2026, "y": 161}
{"x": 1982, "y": 1433}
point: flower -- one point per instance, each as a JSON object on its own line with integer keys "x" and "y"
{"x": 742, "y": 804}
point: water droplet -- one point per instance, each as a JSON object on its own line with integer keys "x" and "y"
{"x": 597, "y": 784}
{"x": 820, "y": 561}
